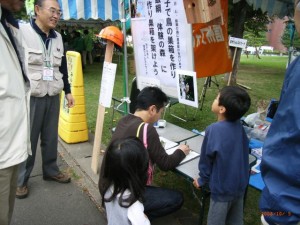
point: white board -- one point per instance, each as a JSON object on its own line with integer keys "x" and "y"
{"x": 162, "y": 41}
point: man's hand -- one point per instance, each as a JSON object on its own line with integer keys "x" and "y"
{"x": 185, "y": 148}
{"x": 71, "y": 100}
{"x": 196, "y": 184}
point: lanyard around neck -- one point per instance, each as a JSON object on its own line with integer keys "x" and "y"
{"x": 46, "y": 52}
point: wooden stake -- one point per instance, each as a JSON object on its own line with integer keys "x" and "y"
{"x": 229, "y": 79}
{"x": 100, "y": 117}
{"x": 244, "y": 86}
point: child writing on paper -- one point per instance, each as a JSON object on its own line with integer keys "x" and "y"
{"x": 224, "y": 161}
{"x": 126, "y": 172}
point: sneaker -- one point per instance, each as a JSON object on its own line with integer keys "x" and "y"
{"x": 60, "y": 178}
{"x": 22, "y": 192}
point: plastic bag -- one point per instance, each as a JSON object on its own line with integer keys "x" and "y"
{"x": 258, "y": 131}
{"x": 251, "y": 118}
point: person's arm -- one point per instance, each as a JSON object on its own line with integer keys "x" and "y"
{"x": 158, "y": 154}
{"x": 206, "y": 159}
{"x": 67, "y": 89}
{"x": 64, "y": 70}
{"x": 136, "y": 214}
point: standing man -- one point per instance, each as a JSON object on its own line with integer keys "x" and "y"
{"x": 14, "y": 110}
{"x": 280, "y": 168}
{"x": 88, "y": 47}
{"x": 46, "y": 67}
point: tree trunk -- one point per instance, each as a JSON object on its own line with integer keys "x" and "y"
{"x": 239, "y": 11}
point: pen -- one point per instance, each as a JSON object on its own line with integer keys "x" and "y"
{"x": 188, "y": 146}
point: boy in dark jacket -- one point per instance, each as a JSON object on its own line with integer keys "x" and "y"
{"x": 224, "y": 161}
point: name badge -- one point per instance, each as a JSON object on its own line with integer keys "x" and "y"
{"x": 48, "y": 73}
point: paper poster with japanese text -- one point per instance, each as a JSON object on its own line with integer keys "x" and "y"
{"x": 162, "y": 41}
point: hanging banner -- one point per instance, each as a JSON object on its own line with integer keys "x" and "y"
{"x": 211, "y": 51}
{"x": 162, "y": 43}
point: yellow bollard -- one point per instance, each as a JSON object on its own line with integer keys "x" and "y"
{"x": 72, "y": 126}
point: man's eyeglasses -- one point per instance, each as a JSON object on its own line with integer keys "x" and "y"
{"x": 54, "y": 11}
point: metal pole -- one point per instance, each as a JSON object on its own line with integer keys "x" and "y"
{"x": 292, "y": 30}
{"x": 125, "y": 61}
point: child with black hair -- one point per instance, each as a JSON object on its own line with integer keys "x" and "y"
{"x": 126, "y": 175}
{"x": 224, "y": 161}
{"x": 149, "y": 106}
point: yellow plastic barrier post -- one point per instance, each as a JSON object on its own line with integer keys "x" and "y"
{"x": 72, "y": 126}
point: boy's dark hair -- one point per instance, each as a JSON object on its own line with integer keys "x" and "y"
{"x": 151, "y": 96}
{"x": 236, "y": 101}
{"x": 126, "y": 164}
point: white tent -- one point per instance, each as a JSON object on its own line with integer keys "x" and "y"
{"x": 98, "y": 11}
{"x": 90, "y": 9}
{"x": 110, "y": 9}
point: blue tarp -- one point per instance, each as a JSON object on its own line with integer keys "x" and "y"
{"x": 256, "y": 180}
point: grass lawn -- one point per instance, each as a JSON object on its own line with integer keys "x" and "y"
{"x": 264, "y": 77}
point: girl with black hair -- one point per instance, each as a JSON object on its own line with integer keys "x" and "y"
{"x": 126, "y": 164}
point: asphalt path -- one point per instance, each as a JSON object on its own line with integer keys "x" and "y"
{"x": 52, "y": 203}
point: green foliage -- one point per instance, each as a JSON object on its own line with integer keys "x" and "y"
{"x": 256, "y": 40}
{"x": 129, "y": 50}
{"x": 243, "y": 17}
{"x": 255, "y": 25}
{"x": 256, "y": 21}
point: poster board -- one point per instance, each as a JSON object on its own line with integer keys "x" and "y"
{"x": 163, "y": 43}
{"x": 187, "y": 89}
{"x": 237, "y": 42}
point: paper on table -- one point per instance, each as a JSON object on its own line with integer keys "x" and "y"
{"x": 256, "y": 167}
{"x": 189, "y": 157}
{"x": 167, "y": 143}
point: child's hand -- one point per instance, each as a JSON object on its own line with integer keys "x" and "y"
{"x": 196, "y": 184}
